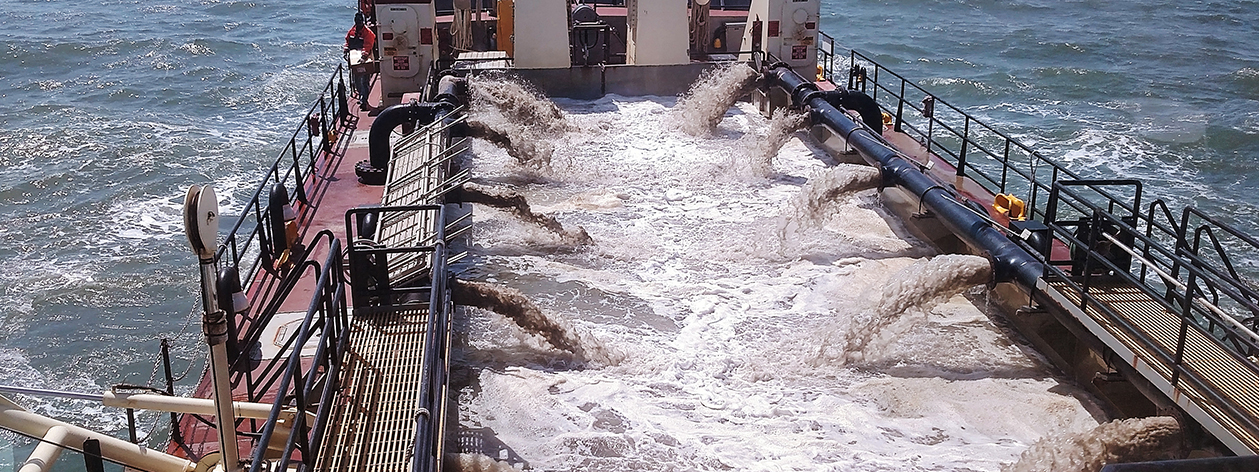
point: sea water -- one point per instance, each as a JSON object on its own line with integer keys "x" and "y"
{"x": 110, "y": 110}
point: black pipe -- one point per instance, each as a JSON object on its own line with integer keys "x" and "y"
{"x": 858, "y": 102}
{"x": 1010, "y": 263}
{"x": 390, "y": 118}
{"x": 372, "y": 171}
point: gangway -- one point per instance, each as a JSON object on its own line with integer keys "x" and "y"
{"x": 1167, "y": 312}
{"x": 392, "y": 408}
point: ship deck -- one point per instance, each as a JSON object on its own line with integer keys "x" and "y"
{"x": 382, "y": 408}
{"x": 373, "y": 424}
{"x": 1143, "y": 333}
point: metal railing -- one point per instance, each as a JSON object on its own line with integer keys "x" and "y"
{"x": 249, "y": 245}
{"x": 1098, "y": 234}
{"x": 308, "y": 381}
{"x": 372, "y": 263}
{"x": 1190, "y": 278}
{"x": 426, "y": 449}
{"x": 990, "y": 157}
{"x": 1002, "y": 164}
{"x": 373, "y": 292}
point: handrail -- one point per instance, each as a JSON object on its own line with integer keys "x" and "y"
{"x": 425, "y": 451}
{"x": 988, "y": 156}
{"x": 366, "y": 263}
{"x": 995, "y": 160}
{"x": 259, "y": 382}
{"x": 1166, "y": 259}
{"x": 247, "y": 245}
{"x": 1184, "y": 263}
{"x": 1183, "y": 298}
{"x": 328, "y": 314}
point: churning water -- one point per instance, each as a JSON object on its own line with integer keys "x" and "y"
{"x": 721, "y": 299}
{"x": 1131, "y": 440}
{"x": 701, "y": 108}
{"x": 511, "y": 114}
{"x": 719, "y": 320}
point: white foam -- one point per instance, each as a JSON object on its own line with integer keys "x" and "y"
{"x": 724, "y": 325}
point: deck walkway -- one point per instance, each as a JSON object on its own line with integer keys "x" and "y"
{"x": 1144, "y": 334}
{"x": 393, "y": 387}
{"x": 373, "y": 428}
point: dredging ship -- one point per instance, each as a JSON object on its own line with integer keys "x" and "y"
{"x": 328, "y": 304}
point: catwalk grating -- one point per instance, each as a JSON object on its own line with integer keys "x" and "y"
{"x": 373, "y": 426}
{"x": 419, "y": 174}
{"x": 1132, "y": 317}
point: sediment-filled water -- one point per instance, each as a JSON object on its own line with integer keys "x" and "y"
{"x": 510, "y": 113}
{"x": 515, "y": 203}
{"x": 906, "y": 300}
{"x": 512, "y": 304}
{"x": 1132, "y": 440}
{"x": 701, "y": 108}
{"x": 721, "y": 299}
{"x": 727, "y": 329}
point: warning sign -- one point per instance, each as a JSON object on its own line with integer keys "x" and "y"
{"x": 404, "y": 62}
{"x": 799, "y": 52}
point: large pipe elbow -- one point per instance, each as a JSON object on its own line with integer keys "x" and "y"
{"x": 386, "y": 121}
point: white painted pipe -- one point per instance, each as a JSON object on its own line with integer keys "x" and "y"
{"x": 46, "y": 452}
{"x": 196, "y": 406}
{"x": 16, "y": 418}
{"x": 223, "y": 417}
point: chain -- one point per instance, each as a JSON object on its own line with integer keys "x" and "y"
{"x": 157, "y": 364}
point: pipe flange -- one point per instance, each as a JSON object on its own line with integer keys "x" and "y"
{"x": 808, "y": 97}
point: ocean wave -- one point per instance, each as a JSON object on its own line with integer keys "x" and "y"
{"x": 196, "y": 48}
{"x": 955, "y": 86}
{"x": 1247, "y": 79}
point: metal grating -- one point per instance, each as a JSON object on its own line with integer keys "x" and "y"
{"x": 1204, "y": 356}
{"x": 373, "y": 427}
{"x": 418, "y": 175}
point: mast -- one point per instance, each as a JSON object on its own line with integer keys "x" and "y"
{"x": 201, "y": 222}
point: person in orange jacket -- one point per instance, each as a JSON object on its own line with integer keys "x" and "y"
{"x": 362, "y": 38}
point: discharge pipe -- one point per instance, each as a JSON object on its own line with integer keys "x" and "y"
{"x": 1010, "y": 263}
{"x": 373, "y": 171}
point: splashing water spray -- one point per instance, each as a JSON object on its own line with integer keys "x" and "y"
{"x": 759, "y": 155}
{"x": 516, "y": 203}
{"x": 527, "y": 152}
{"x": 1130, "y": 440}
{"x": 513, "y": 304}
{"x": 914, "y": 289}
{"x": 476, "y": 463}
{"x": 702, "y": 107}
{"x": 832, "y": 185}
{"x": 511, "y": 114}
{"x": 811, "y": 208}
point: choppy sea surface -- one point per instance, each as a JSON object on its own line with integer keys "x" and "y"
{"x": 110, "y": 110}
